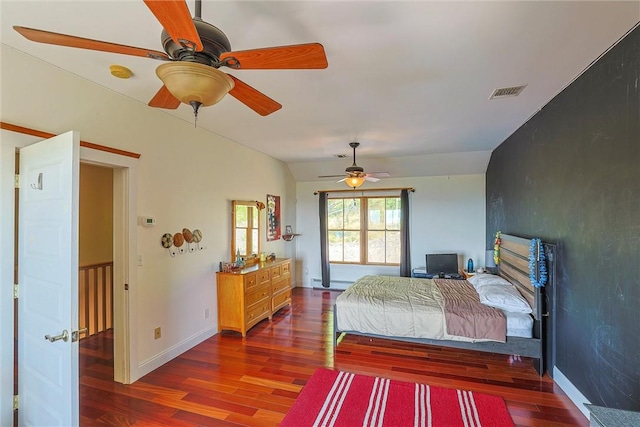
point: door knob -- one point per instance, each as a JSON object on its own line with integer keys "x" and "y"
{"x": 64, "y": 336}
{"x": 75, "y": 335}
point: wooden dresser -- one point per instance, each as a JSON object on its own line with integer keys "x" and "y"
{"x": 252, "y": 294}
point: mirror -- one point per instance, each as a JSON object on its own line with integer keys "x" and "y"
{"x": 245, "y": 228}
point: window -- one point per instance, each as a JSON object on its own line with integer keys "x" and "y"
{"x": 364, "y": 230}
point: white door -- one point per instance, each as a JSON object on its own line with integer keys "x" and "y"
{"x": 48, "y": 282}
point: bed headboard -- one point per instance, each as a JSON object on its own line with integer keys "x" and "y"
{"x": 514, "y": 266}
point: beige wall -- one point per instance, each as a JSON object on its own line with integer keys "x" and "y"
{"x": 96, "y": 215}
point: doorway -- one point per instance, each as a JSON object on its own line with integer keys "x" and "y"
{"x": 124, "y": 166}
{"x": 97, "y": 304}
{"x": 95, "y": 261}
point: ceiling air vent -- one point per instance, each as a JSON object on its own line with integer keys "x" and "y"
{"x": 506, "y": 92}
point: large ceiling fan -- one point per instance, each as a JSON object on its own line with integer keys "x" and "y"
{"x": 355, "y": 174}
{"x": 193, "y": 51}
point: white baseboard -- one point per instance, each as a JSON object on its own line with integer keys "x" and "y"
{"x": 572, "y": 392}
{"x": 171, "y": 353}
{"x": 316, "y": 283}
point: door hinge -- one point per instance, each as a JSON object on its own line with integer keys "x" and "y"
{"x": 16, "y": 181}
{"x": 15, "y": 291}
{"x": 15, "y": 402}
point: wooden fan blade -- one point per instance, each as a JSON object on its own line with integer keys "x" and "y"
{"x": 379, "y": 174}
{"x": 175, "y": 18}
{"x": 299, "y": 56}
{"x": 48, "y": 37}
{"x": 343, "y": 179}
{"x": 371, "y": 178}
{"x": 252, "y": 98}
{"x": 164, "y": 99}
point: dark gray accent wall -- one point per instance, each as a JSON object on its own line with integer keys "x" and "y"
{"x": 571, "y": 176}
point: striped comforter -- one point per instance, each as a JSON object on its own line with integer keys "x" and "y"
{"x": 418, "y": 308}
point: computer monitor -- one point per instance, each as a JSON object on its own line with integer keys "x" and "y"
{"x": 442, "y": 263}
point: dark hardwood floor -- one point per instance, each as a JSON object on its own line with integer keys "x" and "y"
{"x": 231, "y": 381}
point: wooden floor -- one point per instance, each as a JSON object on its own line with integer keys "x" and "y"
{"x": 231, "y": 381}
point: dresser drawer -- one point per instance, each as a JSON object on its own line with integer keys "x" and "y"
{"x": 281, "y": 300}
{"x": 258, "y": 312}
{"x": 256, "y": 295}
{"x": 263, "y": 275}
{"x": 275, "y": 272}
{"x": 280, "y": 284}
{"x": 250, "y": 281}
{"x": 286, "y": 268}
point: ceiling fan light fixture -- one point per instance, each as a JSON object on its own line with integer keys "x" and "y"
{"x": 354, "y": 181}
{"x": 191, "y": 82}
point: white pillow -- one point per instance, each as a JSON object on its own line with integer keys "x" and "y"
{"x": 481, "y": 279}
{"x": 504, "y": 297}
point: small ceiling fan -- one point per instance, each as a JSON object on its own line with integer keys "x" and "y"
{"x": 355, "y": 174}
{"x": 193, "y": 51}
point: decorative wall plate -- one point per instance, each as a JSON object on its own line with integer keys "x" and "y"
{"x": 197, "y": 236}
{"x": 188, "y": 236}
{"x": 167, "y": 240}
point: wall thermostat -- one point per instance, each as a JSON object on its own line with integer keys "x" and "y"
{"x": 147, "y": 221}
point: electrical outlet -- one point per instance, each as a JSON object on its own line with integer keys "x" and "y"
{"x": 140, "y": 260}
{"x": 206, "y": 313}
{"x": 157, "y": 332}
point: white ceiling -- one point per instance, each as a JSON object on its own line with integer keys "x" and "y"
{"x": 409, "y": 80}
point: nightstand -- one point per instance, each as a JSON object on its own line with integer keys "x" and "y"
{"x": 466, "y": 274}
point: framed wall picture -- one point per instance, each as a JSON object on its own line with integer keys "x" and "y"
{"x": 273, "y": 217}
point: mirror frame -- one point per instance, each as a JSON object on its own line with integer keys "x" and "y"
{"x": 258, "y": 208}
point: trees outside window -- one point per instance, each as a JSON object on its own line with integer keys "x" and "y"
{"x": 364, "y": 230}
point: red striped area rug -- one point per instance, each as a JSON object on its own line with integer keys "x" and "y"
{"x": 341, "y": 399}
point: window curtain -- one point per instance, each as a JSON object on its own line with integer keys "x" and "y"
{"x": 324, "y": 248}
{"x": 405, "y": 252}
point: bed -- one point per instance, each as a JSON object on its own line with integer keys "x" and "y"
{"x": 420, "y": 310}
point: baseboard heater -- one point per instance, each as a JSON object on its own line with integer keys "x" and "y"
{"x": 317, "y": 283}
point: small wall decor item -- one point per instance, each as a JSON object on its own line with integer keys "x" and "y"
{"x": 197, "y": 238}
{"x": 188, "y": 237}
{"x": 273, "y": 217}
{"x": 178, "y": 241}
{"x": 167, "y": 242}
{"x": 289, "y": 234}
{"x": 537, "y": 258}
